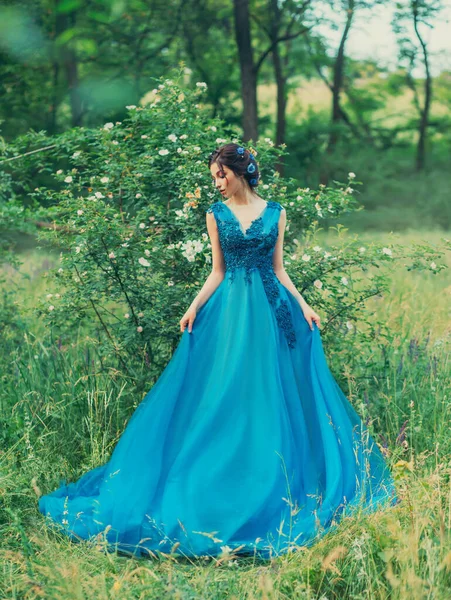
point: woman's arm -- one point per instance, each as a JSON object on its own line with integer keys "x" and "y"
{"x": 279, "y": 269}
{"x": 309, "y": 314}
{"x": 218, "y": 266}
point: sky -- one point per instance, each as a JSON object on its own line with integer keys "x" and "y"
{"x": 372, "y": 37}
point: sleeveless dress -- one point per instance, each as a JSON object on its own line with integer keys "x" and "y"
{"x": 245, "y": 442}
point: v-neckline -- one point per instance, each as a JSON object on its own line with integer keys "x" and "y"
{"x": 243, "y": 231}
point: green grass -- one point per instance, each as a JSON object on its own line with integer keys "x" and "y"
{"x": 60, "y": 416}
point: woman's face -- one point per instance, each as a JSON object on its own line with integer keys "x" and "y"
{"x": 225, "y": 180}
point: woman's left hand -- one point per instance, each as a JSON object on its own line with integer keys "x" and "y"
{"x": 311, "y": 316}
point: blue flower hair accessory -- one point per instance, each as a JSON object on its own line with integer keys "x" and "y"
{"x": 251, "y": 168}
{"x": 253, "y": 181}
{"x": 240, "y": 151}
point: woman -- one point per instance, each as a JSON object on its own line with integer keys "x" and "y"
{"x": 245, "y": 442}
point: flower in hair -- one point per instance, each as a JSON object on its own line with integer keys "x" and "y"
{"x": 240, "y": 150}
{"x": 251, "y": 168}
{"x": 253, "y": 181}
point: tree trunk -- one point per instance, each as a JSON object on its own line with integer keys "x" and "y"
{"x": 337, "y": 86}
{"x": 424, "y": 113}
{"x": 247, "y": 70}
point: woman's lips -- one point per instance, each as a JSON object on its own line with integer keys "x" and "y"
{"x": 222, "y": 192}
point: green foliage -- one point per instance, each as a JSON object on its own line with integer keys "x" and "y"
{"x": 127, "y": 210}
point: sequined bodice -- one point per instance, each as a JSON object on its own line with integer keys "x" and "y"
{"x": 253, "y": 249}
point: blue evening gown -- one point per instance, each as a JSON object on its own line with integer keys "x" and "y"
{"x": 245, "y": 440}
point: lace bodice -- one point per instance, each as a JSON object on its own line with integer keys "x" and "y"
{"x": 253, "y": 249}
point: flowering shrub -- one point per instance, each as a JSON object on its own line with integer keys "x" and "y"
{"x": 127, "y": 208}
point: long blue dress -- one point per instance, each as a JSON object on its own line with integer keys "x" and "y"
{"x": 245, "y": 441}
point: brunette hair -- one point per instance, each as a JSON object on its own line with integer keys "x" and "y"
{"x": 237, "y": 159}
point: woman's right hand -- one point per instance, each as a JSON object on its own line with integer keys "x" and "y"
{"x": 188, "y": 319}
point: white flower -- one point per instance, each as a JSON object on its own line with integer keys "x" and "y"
{"x": 170, "y": 283}
{"x": 51, "y": 307}
{"x": 139, "y": 329}
{"x": 77, "y": 249}
{"x": 140, "y": 315}
{"x": 124, "y": 245}
{"x": 147, "y": 252}
{"x": 351, "y": 175}
{"x": 387, "y": 251}
{"x": 108, "y": 126}
{"x": 60, "y": 270}
{"x": 306, "y": 257}
{"x": 126, "y": 316}
{"x": 348, "y": 190}
{"x": 362, "y": 249}
{"x": 163, "y": 152}
{"x": 317, "y": 283}
{"x": 59, "y": 171}
{"x": 183, "y": 137}
{"x": 99, "y": 195}
{"x": 433, "y": 265}
{"x": 318, "y": 206}
{"x": 213, "y": 128}
{"x": 130, "y": 107}
{"x": 49, "y": 296}
{"x": 138, "y": 195}
{"x": 105, "y": 179}
{"x": 115, "y": 142}
{"x": 349, "y": 324}
{"x": 201, "y": 84}
{"x": 172, "y": 137}
{"x": 79, "y": 212}
{"x": 144, "y": 137}
{"x": 111, "y": 255}
{"x": 344, "y": 281}
{"x": 142, "y": 225}
{"x": 142, "y": 261}
{"x": 68, "y": 179}
{"x": 76, "y": 154}
{"x": 317, "y": 248}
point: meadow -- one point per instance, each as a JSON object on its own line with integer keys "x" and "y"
{"x": 61, "y": 415}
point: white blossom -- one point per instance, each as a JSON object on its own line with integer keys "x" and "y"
{"x": 76, "y": 154}
{"x": 362, "y": 249}
{"x": 144, "y": 262}
{"x": 99, "y": 195}
{"x": 316, "y": 248}
{"x": 318, "y": 283}
{"x": 51, "y": 307}
{"x": 147, "y": 252}
{"x": 138, "y": 195}
{"x": 351, "y": 175}
{"x": 79, "y": 212}
{"x": 126, "y": 316}
{"x": 144, "y": 137}
{"x": 68, "y": 179}
{"x": 139, "y": 329}
{"x": 201, "y": 84}
{"x": 172, "y": 137}
{"x": 348, "y": 190}
{"x": 142, "y": 225}
{"x": 140, "y": 315}
{"x": 130, "y": 107}
{"x": 170, "y": 283}
{"x": 306, "y": 257}
{"x": 111, "y": 255}
{"x": 115, "y": 142}
{"x": 163, "y": 152}
{"x": 77, "y": 249}
{"x": 344, "y": 281}
{"x": 108, "y": 126}
{"x": 59, "y": 171}
{"x": 433, "y": 265}
{"x": 387, "y": 251}
{"x": 105, "y": 179}
{"x": 349, "y": 324}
